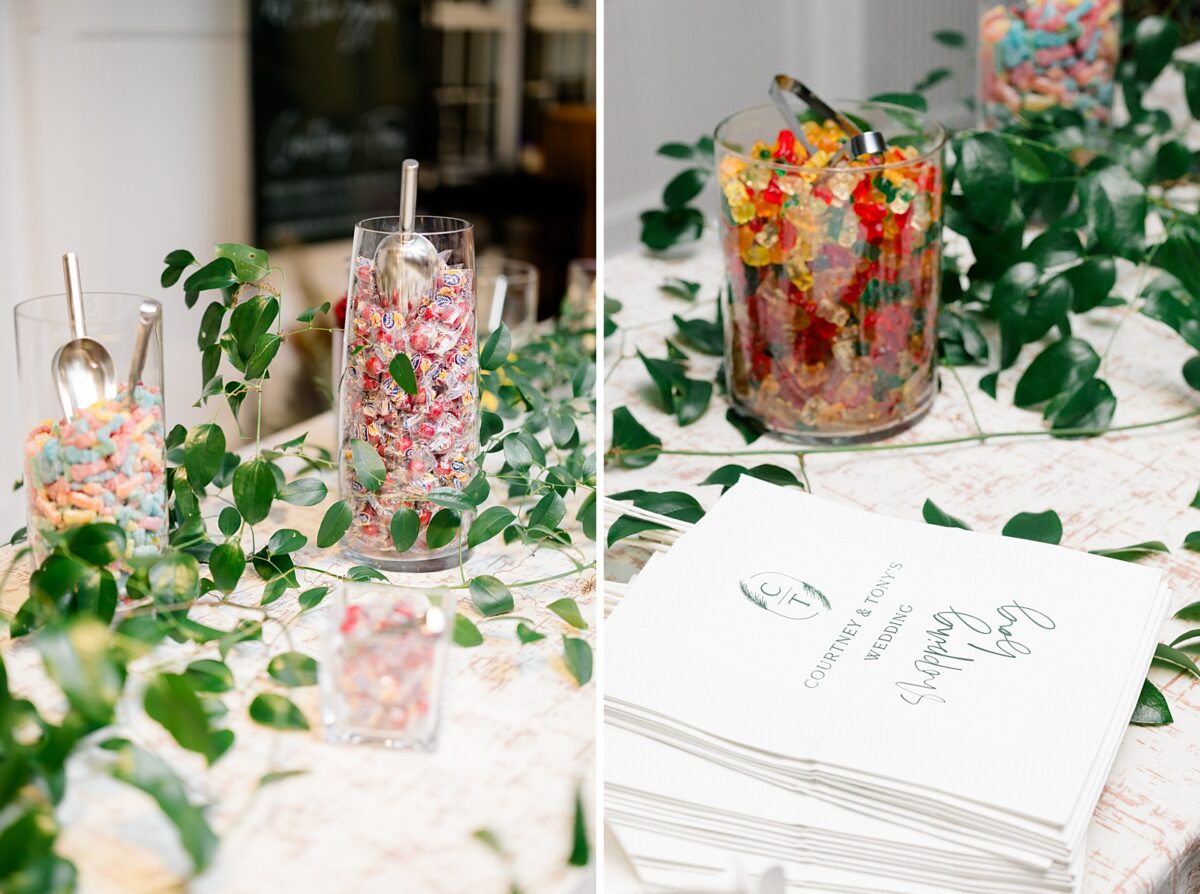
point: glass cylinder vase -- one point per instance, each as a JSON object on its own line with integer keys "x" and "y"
{"x": 383, "y": 676}
{"x": 1037, "y": 57}
{"x": 105, "y": 462}
{"x": 422, "y": 441}
{"x": 833, "y": 269}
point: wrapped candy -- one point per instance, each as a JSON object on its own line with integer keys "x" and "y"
{"x": 1039, "y": 55}
{"x": 428, "y": 440}
{"x": 834, "y": 271}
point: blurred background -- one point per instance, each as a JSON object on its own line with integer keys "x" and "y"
{"x": 673, "y": 69}
{"x": 129, "y": 128}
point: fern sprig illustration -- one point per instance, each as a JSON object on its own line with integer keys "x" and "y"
{"x": 813, "y": 593}
{"x": 753, "y": 595}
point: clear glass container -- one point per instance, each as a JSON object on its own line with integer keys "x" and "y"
{"x": 833, "y": 272}
{"x": 383, "y": 677}
{"x": 426, "y": 441}
{"x": 106, "y": 463}
{"x": 519, "y": 296}
{"x": 1039, "y": 56}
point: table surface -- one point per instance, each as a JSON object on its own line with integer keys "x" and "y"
{"x": 517, "y": 741}
{"x": 1111, "y": 491}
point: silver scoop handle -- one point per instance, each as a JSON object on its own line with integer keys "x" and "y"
{"x": 70, "y": 263}
{"x": 860, "y": 142}
{"x": 147, "y": 319}
{"x": 408, "y": 195}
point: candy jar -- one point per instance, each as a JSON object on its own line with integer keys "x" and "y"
{"x": 106, "y": 462}
{"x": 425, "y": 441}
{"x": 385, "y": 664}
{"x": 833, "y": 271}
{"x": 1039, "y": 56}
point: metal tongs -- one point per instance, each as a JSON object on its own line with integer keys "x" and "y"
{"x": 861, "y": 142}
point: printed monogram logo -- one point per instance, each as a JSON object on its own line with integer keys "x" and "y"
{"x": 784, "y": 595}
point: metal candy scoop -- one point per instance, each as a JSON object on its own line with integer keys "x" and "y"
{"x": 83, "y": 369}
{"x": 406, "y": 261}
{"x": 148, "y": 315}
{"x": 870, "y": 142}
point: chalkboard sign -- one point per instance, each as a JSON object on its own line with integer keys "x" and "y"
{"x": 336, "y": 88}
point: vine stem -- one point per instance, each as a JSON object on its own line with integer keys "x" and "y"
{"x": 917, "y": 445}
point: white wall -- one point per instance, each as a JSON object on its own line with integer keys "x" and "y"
{"x": 124, "y": 134}
{"x": 674, "y": 68}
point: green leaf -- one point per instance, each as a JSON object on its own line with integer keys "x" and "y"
{"x": 265, "y": 349}
{"x": 250, "y": 264}
{"x": 210, "y": 325}
{"x": 496, "y": 349}
{"x": 1154, "y": 40}
{"x": 693, "y": 401}
{"x": 986, "y": 175}
{"x": 704, "y": 336}
{"x": 490, "y": 595}
{"x": 950, "y": 38}
{"x": 368, "y": 465}
{"x": 932, "y": 78}
{"x": 334, "y": 524}
{"x": 365, "y": 572}
{"x": 77, "y": 657}
{"x": 1092, "y": 282}
{"x": 209, "y": 675}
{"x": 405, "y": 527}
{"x": 276, "y": 711}
{"x": 227, "y": 562}
{"x": 216, "y": 274}
{"x": 466, "y": 634}
{"x": 175, "y": 578}
{"x": 286, "y": 540}
{"x": 662, "y": 229}
{"x": 99, "y": 543}
{"x": 401, "y": 369}
{"x": 567, "y": 609}
{"x": 1134, "y": 552}
{"x": 229, "y": 521}
{"x": 1191, "y": 372}
{"x": 578, "y": 656}
{"x": 253, "y": 490}
{"x": 148, "y": 773}
{"x": 935, "y": 516}
{"x": 203, "y": 452}
{"x": 587, "y": 515}
{"x": 1045, "y": 527}
{"x": 1061, "y": 368}
{"x": 454, "y": 499}
{"x": 676, "y": 150}
{"x": 171, "y": 701}
{"x": 908, "y": 100}
{"x": 1172, "y": 657}
{"x": 293, "y": 669}
{"x": 303, "y": 492}
{"x": 442, "y": 528}
{"x": 728, "y": 475}
{"x": 580, "y": 849}
{"x": 527, "y": 634}
{"x": 1192, "y": 542}
{"x": 1090, "y": 407}
{"x": 680, "y": 288}
{"x": 1116, "y": 205}
{"x": 748, "y": 427}
{"x": 516, "y": 452}
{"x": 488, "y": 524}
{"x": 633, "y": 445}
{"x": 1180, "y": 255}
{"x": 684, "y": 187}
{"x": 312, "y": 597}
{"x": 311, "y": 313}
{"x": 548, "y": 511}
{"x": 1173, "y": 161}
{"x": 1152, "y": 709}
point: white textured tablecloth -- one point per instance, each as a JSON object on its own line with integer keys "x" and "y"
{"x": 517, "y": 740}
{"x": 1114, "y": 491}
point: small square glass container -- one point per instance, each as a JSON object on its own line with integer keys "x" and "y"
{"x": 383, "y": 677}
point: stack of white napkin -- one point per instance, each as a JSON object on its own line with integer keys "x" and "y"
{"x": 876, "y": 705}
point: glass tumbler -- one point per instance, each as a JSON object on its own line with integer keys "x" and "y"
{"x": 833, "y": 271}
{"x": 383, "y": 677}
{"x": 1039, "y": 56}
{"x": 106, "y": 462}
{"x": 519, "y": 296}
{"x": 424, "y": 441}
